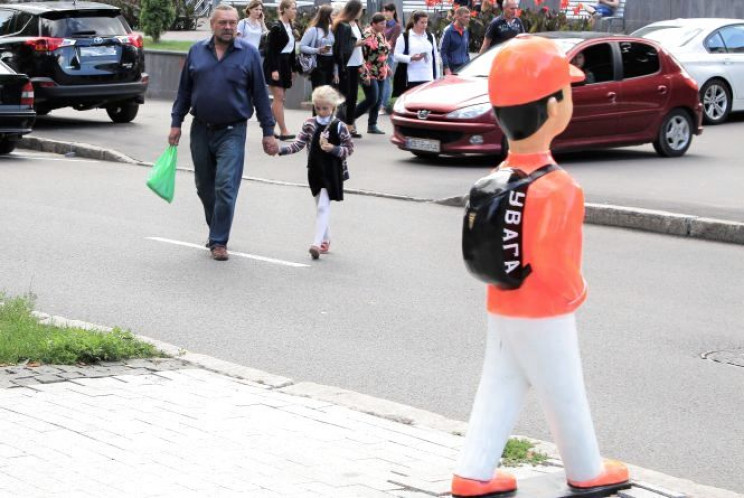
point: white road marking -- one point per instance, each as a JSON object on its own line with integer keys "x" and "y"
{"x": 232, "y": 253}
{"x": 49, "y": 158}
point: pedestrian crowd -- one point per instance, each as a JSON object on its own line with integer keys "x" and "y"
{"x": 225, "y": 79}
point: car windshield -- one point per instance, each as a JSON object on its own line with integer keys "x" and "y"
{"x": 668, "y": 36}
{"x": 480, "y": 67}
{"x": 83, "y": 26}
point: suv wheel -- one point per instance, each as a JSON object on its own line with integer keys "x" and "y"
{"x": 123, "y": 112}
{"x": 675, "y": 134}
{"x": 7, "y": 145}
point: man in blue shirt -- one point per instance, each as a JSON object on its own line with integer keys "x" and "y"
{"x": 456, "y": 41}
{"x": 221, "y": 83}
{"x": 504, "y": 27}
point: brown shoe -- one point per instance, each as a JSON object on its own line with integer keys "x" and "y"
{"x": 219, "y": 253}
{"x": 314, "y": 252}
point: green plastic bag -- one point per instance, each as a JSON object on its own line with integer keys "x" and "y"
{"x": 162, "y": 177}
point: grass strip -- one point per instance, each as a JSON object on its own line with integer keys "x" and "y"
{"x": 173, "y": 45}
{"x": 24, "y": 340}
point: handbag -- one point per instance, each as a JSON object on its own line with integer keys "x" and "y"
{"x": 308, "y": 62}
{"x": 400, "y": 79}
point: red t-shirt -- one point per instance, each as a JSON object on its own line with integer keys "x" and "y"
{"x": 551, "y": 245}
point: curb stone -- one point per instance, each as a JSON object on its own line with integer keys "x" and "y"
{"x": 648, "y": 220}
{"x": 397, "y": 412}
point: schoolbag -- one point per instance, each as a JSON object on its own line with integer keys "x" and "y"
{"x": 492, "y": 227}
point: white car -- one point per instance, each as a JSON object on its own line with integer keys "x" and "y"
{"x": 712, "y": 51}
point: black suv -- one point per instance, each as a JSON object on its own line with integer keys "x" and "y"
{"x": 77, "y": 54}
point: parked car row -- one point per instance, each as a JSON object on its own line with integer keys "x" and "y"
{"x": 82, "y": 55}
{"x": 17, "y": 114}
{"x": 655, "y": 86}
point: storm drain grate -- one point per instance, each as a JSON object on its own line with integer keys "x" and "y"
{"x": 733, "y": 356}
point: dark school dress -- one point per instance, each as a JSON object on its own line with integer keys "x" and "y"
{"x": 324, "y": 170}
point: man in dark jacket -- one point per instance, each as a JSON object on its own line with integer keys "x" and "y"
{"x": 455, "y": 42}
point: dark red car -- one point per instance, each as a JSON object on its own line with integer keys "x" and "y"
{"x": 635, "y": 93}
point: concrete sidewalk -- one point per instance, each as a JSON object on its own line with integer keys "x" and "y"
{"x": 195, "y": 426}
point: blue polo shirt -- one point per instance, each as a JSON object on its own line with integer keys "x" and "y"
{"x": 223, "y": 91}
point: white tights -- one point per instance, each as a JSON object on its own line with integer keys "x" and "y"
{"x": 322, "y": 218}
{"x": 543, "y": 353}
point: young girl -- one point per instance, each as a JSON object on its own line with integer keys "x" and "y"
{"x": 329, "y": 144}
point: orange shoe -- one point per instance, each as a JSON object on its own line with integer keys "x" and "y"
{"x": 613, "y": 473}
{"x": 501, "y": 484}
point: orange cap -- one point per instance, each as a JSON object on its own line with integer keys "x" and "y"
{"x": 527, "y": 69}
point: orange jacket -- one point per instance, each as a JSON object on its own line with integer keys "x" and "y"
{"x": 551, "y": 242}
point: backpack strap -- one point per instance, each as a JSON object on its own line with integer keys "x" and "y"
{"x": 541, "y": 171}
{"x": 405, "y": 44}
{"x": 430, "y": 37}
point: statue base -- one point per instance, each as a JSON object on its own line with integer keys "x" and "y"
{"x": 554, "y": 485}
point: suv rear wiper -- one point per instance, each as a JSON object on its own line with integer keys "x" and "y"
{"x": 84, "y": 33}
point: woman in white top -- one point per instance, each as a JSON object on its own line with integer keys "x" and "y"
{"x": 422, "y": 54}
{"x": 253, "y": 26}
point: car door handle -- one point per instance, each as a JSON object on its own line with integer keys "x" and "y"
{"x": 612, "y": 96}
{"x": 727, "y": 61}
{"x": 662, "y": 89}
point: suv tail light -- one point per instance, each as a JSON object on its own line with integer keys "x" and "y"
{"x": 133, "y": 39}
{"x": 27, "y": 94}
{"x": 46, "y": 44}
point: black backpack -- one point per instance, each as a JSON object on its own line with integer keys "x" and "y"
{"x": 492, "y": 227}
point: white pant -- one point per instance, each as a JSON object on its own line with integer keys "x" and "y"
{"x": 322, "y": 218}
{"x": 543, "y": 353}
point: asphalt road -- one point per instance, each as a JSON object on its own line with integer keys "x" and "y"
{"x": 707, "y": 181}
{"x": 391, "y": 312}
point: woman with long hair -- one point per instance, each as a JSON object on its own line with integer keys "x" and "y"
{"x": 279, "y": 62}
{"x": 392, "y": 31}
{"x": 253, "y": 26}
{"x": 418, "y": 49}
{"x": 318, "y": 39}
{"x": 348, "y": 52}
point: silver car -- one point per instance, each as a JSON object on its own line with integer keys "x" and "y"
{"x": 712, "y": 51}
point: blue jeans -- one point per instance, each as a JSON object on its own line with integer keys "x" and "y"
{"x": 388, "y": 89}
{"x": 218, "y": 157}
{"x": 372, "y": 100}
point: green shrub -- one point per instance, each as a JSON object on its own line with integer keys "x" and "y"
{"x": 156, "y": 16}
